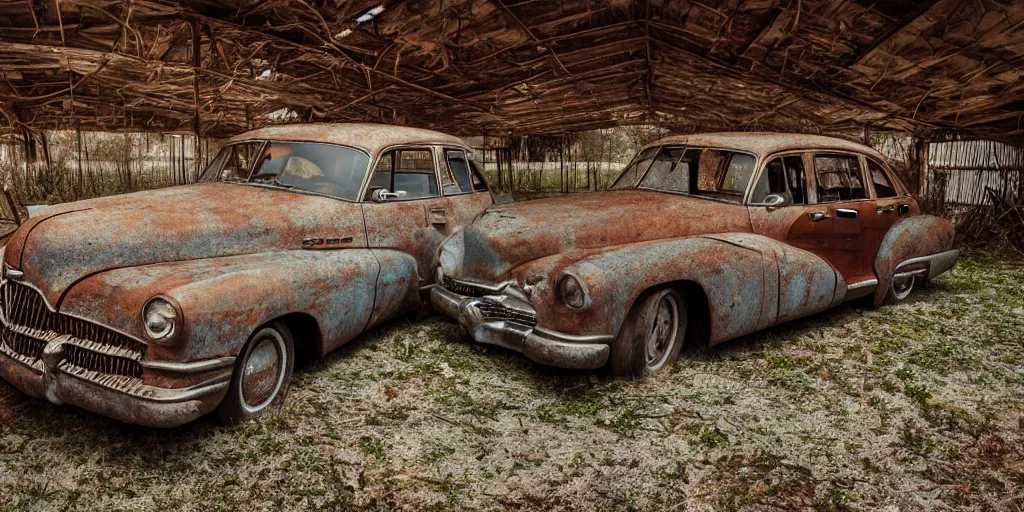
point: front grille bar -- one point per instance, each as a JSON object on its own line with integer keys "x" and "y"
{"x": 93, "y": 352}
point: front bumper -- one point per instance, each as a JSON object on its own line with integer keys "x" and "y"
{"x": 514, "y": 330}
{"x": 159, "y": 408}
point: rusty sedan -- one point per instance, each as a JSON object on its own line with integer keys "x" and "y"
{"x": 700, "y": 240}
{"x": 158, "y": 307}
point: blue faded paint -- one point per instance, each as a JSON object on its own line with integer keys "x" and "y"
{"x": 398, "y": 285}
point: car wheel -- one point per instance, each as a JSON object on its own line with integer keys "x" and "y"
{"x": 900, "y": 288}
{"x": 653, "y": 335}
{"x": 261, "y": 377}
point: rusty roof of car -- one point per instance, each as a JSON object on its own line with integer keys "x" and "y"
{"x": 368, "y": 136}
{"x": 762, "y": 143}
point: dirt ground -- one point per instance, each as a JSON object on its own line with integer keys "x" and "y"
{"x": 912, "y": 407}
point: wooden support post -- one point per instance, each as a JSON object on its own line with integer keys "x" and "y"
{"x": 561, "y": 165}
{"x": 197, "y": 62}
{"x": 921, "y": 160}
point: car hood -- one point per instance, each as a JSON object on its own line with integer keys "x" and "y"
{"x": 507, "y": 236}
{"x": 75, "y": 240}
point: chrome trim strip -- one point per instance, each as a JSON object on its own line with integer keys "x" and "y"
{"x": 557, "y": 336}
{"x": 163, "y": 395}
{"x": 193, "y": 367}
{"x": 863, "y": 284}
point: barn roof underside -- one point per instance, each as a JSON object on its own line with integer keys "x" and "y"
{"x": 936, "y": 68}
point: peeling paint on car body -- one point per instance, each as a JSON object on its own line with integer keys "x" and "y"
{"x": 230, "y": 258}
{"x": 753, "y": 265}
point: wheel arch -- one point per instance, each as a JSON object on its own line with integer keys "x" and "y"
{"x": 306, "y": 334}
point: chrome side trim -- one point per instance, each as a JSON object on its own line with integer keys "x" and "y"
{"x": 566, "y": 338}
{"x": 193, "y": 367}
{"x": 863, "y": 284}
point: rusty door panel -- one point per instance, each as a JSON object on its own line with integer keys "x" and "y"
{"x": 398, "y": 287}
{"x": 465, "y": 208}
{"x": 175, "y": 224}
{"x": 415, "y": 227}
{"x": 888, "y": 211}
{"x": 224, "y": 300}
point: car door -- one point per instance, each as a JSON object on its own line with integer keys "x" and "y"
{"x": 418, "y": 220}
{"x": 834, "y": 224}
{"x": 464, "y": 186}
{"x": 780, "y": 201}
{"x": 892, "y": 203}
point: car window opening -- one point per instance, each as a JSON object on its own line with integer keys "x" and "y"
{"x": 705, "y": 172}
{"x": 326, "y": 169}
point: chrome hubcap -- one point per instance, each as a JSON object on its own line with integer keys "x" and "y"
{"x": 263, "y": 373}
{"x": 663, "y": 333}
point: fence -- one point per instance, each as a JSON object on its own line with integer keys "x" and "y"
{"x": 962, "y": 173}
{"x": 61, "y": 166}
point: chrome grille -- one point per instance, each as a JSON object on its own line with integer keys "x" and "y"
{"x": 29, "y": 324}
{"x": 493, "y": 309}
{"x": 466, "y": 290}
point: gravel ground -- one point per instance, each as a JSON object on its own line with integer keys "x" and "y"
{"x": 912, "y": 407}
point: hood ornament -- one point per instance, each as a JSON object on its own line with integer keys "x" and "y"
{"x": 13, "y": 275}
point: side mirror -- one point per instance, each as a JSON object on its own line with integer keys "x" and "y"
{"x": 382, "y": 195}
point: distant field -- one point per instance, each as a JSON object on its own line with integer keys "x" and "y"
{"x": 914, "y": 407}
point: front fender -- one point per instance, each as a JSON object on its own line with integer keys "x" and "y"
{"x": 920, "y": 235}
{"x": 738, "y": 281}
{"x": 223, "y": 300}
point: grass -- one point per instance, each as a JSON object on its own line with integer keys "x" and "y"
{"x": 918, "y": 406}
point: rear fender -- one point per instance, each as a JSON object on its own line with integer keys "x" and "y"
{"x": 920, "y": 235}
{"x": 224, "y": 300}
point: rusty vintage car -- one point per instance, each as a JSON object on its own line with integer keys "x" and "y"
{"x": 701, "y": 239}
{"x": 159, "y": 307}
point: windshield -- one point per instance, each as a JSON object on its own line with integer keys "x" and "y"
{"x": 716, "y": 173}
{"x": 326, "y": 169}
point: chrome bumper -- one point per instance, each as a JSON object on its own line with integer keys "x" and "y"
{"x": 540, "y": 345}
{"x": 936, "y": 263}
{"x": 148, "y": 406}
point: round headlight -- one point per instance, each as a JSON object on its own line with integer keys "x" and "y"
{"x": 571, "y": 293}
{"x": 160, "y": 319}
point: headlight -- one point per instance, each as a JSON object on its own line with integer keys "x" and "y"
{"x": 571, "y": 292}
{"x": 160, "y": 319}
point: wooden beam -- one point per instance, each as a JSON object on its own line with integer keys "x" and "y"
{"x": 915, "y": 14}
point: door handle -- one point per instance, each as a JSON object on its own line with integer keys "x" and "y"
{"x": 818, "y": 216}
{"x": 847, "y": 213}
{"x": 439, "y": 216}
{"x": 888, "y": 209}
